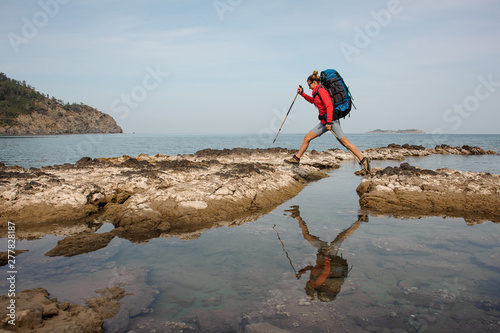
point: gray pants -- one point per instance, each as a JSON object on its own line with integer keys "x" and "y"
{"x": 320, "y": 129}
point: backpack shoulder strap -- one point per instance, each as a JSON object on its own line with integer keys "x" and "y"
{"x": 317, "y": 91}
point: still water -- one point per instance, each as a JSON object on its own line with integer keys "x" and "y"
{"x": 36, "y": 151}
{"x": 314, "y": 264}
{"x": 419, "y": 275}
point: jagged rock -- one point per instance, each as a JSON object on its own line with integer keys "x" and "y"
{"x": 412, "y": 191}
{"x": 36, "y": 312}
{"x": 400, "y": 152}
{"x": 162, "y": 194}
{"x": 173, "y": 195}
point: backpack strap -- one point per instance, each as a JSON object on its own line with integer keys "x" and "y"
{"x": 335, "y": 113}
{"x": 317, "y": 92}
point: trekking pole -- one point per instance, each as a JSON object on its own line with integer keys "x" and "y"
{"x": 286, "y": 116}
{"x": 357, "y": 159}
{"x": 286, "y": 253}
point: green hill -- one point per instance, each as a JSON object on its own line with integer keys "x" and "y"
{"x": 23, "y": 110}
{"x": 17, "y": 98}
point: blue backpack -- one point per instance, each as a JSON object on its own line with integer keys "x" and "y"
{"x": 331, "y": 80}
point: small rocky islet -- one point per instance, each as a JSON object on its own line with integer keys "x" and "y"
{"x": 182, "y": 196}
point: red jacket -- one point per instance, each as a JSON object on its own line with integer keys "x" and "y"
{"x": 324, "y": 104}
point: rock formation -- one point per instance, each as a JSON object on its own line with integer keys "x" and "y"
{"x": 36, "y": 312}
{"x": 124, "y": 294}
{"x": 155, "y": 194}
{"x": 25, "y": 111}
{"x": 184, "y": 195}
{"x": 412, "y": 192}
{"x": 400, "y": 152}
{"x": 54, "y": 118}
{"x": 405, "y": 131}
{"x": 148, "y": 196}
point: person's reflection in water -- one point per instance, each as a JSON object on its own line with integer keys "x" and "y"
{"x": 328, "y": 275}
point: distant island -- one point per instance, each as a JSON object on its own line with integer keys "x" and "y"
{"x": 25, "y": 111}
{"x": 406, "y": 131}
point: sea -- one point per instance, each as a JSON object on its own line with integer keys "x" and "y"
{"x": 390, "y": 273}
{"x": 37, "y": 151}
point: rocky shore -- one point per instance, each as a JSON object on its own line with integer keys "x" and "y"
{"x": 184, "y": 195}
{"x": 126, "y": 296}
{"x": 174, "y": 195}
{"x": 407, "y": 191}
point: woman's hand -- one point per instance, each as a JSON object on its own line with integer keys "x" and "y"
{"x": 328, "y": 127}
{"x": 300, "y": 90}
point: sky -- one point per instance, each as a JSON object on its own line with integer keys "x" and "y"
{"x": 233, "y": 66}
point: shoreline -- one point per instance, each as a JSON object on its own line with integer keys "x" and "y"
{"x": 174, "y": 194}
{"x": 182, "y": 196}
{"x": 411, "y": 192}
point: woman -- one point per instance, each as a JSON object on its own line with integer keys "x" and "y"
{"x": 328, "y": 121}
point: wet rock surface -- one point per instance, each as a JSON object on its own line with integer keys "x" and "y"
{"x": 182, "y": 196}
{"x": 409, "y": 191}
{"x": 170, "y": 194}
{"x": 163, "y": 194}
{"x": 147, "y": 196}
{"x": 400, "y": 152}
{"x": 122, "y": 294}
{"x": 36, "y": 312}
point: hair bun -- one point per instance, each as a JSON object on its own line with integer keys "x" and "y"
{"x": 313, "y": 77}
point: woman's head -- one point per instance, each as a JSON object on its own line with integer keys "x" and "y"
{"x": 313, "y": 79}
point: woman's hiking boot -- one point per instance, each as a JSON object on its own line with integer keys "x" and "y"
{"x": 292, "y": 160}
{"x": 365, "y": 163}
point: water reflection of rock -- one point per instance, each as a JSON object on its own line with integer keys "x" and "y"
{"x": 79, "y": 244}
{"x": 330, "y": 270}
{"x": 4, "y": 256}
{"x": 90, "y": 240}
